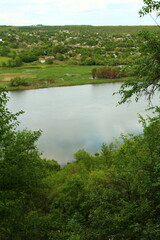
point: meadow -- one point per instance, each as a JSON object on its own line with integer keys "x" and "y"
{"x": 38, "y": 76}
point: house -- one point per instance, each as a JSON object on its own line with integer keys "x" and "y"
{"x": 43, "y": 60}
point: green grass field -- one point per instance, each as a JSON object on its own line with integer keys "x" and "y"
{"x": 4, "y": 59}
{"x": 40, "y": 76}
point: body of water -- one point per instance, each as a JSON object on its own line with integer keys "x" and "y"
{"x": 72, "y": 118}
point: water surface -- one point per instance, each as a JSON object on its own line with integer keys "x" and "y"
{"x": 76, "y": 117}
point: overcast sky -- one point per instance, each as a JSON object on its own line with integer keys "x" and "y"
{"x": 73, "y": 12}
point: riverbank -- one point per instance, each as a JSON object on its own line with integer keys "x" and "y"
{"x": 45, "y": 76}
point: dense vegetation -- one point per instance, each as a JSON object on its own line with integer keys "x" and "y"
{"x": 146, "y": 68}
{"x": 114, "y": 194}
{"x": 107, "y": 72}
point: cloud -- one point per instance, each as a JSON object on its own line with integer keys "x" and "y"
{"x": 13, "y": 19}
{"x": 39, "y": 9}
{"x": 82, "y": 5}
{"x": 70, "y": 6}
{"x": 42, "y": 1}
{"x": 5, "y": 15}
{"x": 62, "y": 12}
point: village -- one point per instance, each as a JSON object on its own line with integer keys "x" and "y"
{"x": 82, "y": 45}
{"x": 47, "y": 56}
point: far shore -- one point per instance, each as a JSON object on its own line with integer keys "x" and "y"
{"x": 51, "y": 76}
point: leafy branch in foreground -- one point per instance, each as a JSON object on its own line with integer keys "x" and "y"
{"x": 146, "y": 69}
{"x": 150, "y": 6}
{"x": 147, "y": 65}
{"x": 8, "y": 120}
{"x": 21, "y": 175}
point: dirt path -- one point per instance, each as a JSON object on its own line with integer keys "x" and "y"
{"x": 6, "y": 77}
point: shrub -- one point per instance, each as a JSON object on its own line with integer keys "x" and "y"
{"x": 107, "y": 72}
{"x": 3, "y": 64}
{"x": 49, "y": 61}
{"x": 28, "y": 57}
{"x": 17, "y": 81}
{"x": 16, "y": 62}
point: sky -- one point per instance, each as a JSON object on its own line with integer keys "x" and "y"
{"x": 73, "y": 12}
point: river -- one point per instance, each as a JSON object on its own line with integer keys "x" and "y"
{"x": 77, "y": 117}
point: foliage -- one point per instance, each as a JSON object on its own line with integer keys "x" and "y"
{"x": 28, "y": 56}
{"x": 107, "y": 72}
{"x": 3, "y": 61}
{"x": 21, "y": 178}
{"x": 59, "y": 56}
{"x": 149, "y": 7}
{"x": 49, "y": 61}
{"x": 114, "y": 194}
{"x": 85, "y": 45}
{"x": 4, "y": 50}
{"x": 38, "y": 75}
{"x": 17, "y": 81}
{"x": 111, "y": 46}
{"x": 15, "y": 62}
{"x": 146, "y": 69}
{"x": 147, "y": 66}
{"x": 111, "y": 195}
{"x": 8, "y": 121}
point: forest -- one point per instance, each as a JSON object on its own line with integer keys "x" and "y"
{"x": 111, "y": 195}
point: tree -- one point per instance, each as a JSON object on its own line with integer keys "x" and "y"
{"x": 17, "y": 81}
{"x": 49, "y": 61}
{"x": 107, "y": 72}
{"x": 28, "y": 56}
{"x": 21, "y": 175}
{"x": 146, "y": 67}
{"x": 150, "y": 5}
{"x": 16, "y": 62}
{"x": 111, "y": 196}
{"x": 4, "y": 50}
{"x": 59, "y": 56}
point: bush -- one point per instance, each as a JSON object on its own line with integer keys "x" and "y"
{"x": 3, "y": 64}
{"x": 17, "y": 81}
{"x": 107, "y": 72}
{"x": 16, "y": 62}
{"x": 49, "y": 61}
{"x": 59, "y": 57}
{"x": 28, "y": 57}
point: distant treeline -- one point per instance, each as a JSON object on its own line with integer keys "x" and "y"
{"x": 109, "y": 29}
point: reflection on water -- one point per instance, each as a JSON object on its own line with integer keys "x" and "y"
{"x": 75, "y": 117}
